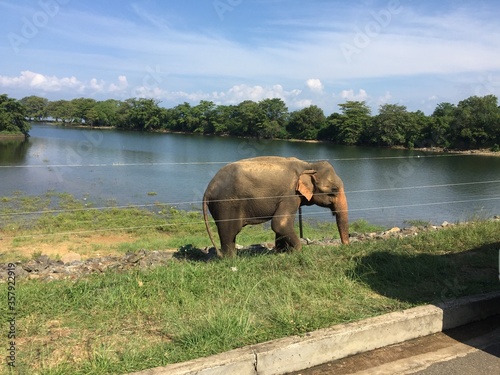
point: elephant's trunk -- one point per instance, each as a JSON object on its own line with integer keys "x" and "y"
{"x": 342, "y": 215}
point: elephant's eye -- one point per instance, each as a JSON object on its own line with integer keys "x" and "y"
{"x": 334, "y": 190}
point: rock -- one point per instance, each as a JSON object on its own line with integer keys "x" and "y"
{"x": 445, "y": 224}
{"x": 135, "y": 257}
{"x": 394, "y": 230}
{"x": 410, "y": 231}
{"x": 70, "y": 258}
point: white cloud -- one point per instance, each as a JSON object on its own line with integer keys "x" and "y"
{"x": 232, "y": 96}
{"x": 350, "y": 95}
{"x": 31, "y": 83}
{"x": 238, "y": 93}
{"x": 148, "y": 92}
{"x": 36, "y": 81}
{"x": 384, "y": 99}
{"x": 302, "y": 103}
{"x": 97, "y": 86}
{"x": 315, "y": 85}
{"x": 121, "y": 86}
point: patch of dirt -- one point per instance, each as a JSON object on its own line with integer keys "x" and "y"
{"x": 91, "y": 245}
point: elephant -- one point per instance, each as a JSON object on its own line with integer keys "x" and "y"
{"x": 256, "y": 190}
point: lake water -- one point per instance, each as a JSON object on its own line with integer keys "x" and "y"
{"x": 110, "y": 167}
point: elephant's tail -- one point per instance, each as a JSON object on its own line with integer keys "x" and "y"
{"x": 205, "y": 218}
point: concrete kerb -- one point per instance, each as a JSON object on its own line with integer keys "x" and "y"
{"x": 299, "y": 352}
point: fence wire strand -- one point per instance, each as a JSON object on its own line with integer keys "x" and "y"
{"x": 253, "y": 218}
{"x": 199, "y": 202}
{"x": 97, "y": 165}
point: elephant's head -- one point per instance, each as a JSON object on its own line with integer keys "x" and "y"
{"x": 320, "y": 185}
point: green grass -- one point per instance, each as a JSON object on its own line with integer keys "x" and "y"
{"x": 57, "y": 216}
{"x": 119, "y": 322}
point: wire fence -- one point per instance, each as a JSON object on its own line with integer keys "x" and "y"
{"x": 160, "y": 206}
{"x": 198, "y": 203}
{"x": 97, "y": 165}
{"x": 348, "y": 192}
{"x": 201, "y": 222}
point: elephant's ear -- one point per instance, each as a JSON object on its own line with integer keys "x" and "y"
{"x": 305, "y": 184}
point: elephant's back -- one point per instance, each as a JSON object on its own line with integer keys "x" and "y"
{"x": 254, "y": 177}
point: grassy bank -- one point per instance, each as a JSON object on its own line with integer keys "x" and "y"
{"x": 118, "y": 322}
{"x": 55, "y": 223}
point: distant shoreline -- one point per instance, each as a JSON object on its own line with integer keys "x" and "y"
{"x": 480, "y": 152}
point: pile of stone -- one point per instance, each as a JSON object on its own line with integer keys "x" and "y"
{"x": 394, "y": 232}
{"x": 71, "y": 267}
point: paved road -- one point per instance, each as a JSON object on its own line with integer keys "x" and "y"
{"x": 472, "y": 349}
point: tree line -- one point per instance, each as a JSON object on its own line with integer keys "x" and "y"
{"x": 12, "y": 117}
{"x": 473, "y": 123}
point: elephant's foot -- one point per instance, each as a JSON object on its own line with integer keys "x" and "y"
{"x": 285, "y": 244}
{"x": 227, "y": 251}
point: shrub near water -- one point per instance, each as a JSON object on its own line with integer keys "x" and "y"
{"x": 118, "y": 322}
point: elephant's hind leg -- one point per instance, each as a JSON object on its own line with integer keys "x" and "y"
{"x": 228, "y": 229}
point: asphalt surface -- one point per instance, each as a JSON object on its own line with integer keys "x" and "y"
{"x": 470, "y": 349}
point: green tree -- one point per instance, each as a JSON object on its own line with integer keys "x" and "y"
{"x": 205, "y": 113}
{"x": 181, "y": 118}
{"x": 91, "y": 117}
{"x": 108, "y": 113}
{"x": 349, "y": 126}
{"x": 389, "y": 127}
{"x": 13, "y": 116}
{"x": 331, "y": 130}
{"x": 306, "y": 123}
{"x": 81, "y": 108}
{"x": 247, "y": 119}
{"x": 36, "y": 107}
{"x": 437, "y": 133}
{"x": 144, "y": 114}
{"x": 476, "y": 123}
{"x": 61, "y": 110}
{"x": 414, "y": 130}
{"x": 222, "y": 117}
{"x": 355, "y": 120}
{"x": 275, "y": 118}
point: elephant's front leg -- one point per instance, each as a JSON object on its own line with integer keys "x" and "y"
{"x": 286, "y": 238}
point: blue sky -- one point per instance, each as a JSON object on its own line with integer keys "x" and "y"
{"x": 322, "y": 52}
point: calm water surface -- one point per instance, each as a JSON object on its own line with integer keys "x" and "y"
{"x": 386, "y": 187}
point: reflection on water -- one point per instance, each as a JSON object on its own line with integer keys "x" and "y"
{"x": 383, "y": 186}
{"x": 13, "y": 151}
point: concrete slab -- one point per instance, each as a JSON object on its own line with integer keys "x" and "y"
{"x": 299, "y": 352}
{"x": 239, "y": 361}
